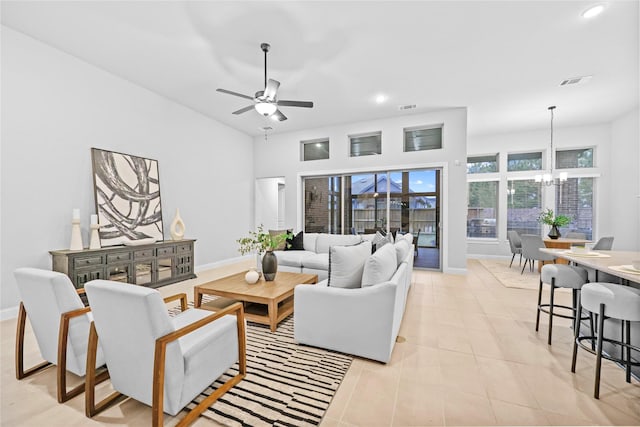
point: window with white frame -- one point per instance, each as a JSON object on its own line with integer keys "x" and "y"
{"x": 423, "y": 138}
{"x": 482, "y": 164}
{"x": 524, "y": 203}
{"x": 365, "y": 144}
{"x": 574, "y": 198}
{"x": 316, "y": 149}
{"x": 577, "y": 158}
{"x": 482, "y": 211}
{"x": 524, "y": 161}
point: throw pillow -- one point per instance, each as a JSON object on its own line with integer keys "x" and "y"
{"x": 325, "y": 241}
{"x": 282, "y": 244}
{"x": 380, "y": 240}
{"x": 402, "y": 249}
{"x": 346, "y": 264}
{"x": 390, "y": 237}
{"x": 380, "y": 266}
{"x": 296, "y": 243}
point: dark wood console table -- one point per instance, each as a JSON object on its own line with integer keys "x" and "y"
{"x": 153, "y": 265}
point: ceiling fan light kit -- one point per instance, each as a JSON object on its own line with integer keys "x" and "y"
{"x": 265, "y": 108}
{"x": 265, "y": 101}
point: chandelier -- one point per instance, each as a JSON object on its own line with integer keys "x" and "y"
{"x": 549, "y": 178}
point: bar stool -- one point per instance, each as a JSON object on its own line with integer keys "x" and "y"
{"x": 610, "y": 301}
{"x": 561, "y": 276}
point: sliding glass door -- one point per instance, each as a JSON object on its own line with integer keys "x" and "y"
{"x": 389, "y": 201}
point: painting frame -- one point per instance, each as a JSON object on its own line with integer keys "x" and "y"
{"x": 127, "y": 197}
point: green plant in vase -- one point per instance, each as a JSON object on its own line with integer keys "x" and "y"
{"x": 260, "y": 241}
{"x": 554, "y": 221}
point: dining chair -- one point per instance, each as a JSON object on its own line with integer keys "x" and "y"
{"x": 515, "y": 243}
{"x": 603, "y": 244}
{"x": 60, "y": 323}
{"x": 164, "y": 362}
{"x": 531, "y": 245}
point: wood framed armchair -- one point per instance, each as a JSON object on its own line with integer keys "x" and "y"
{"x": 164, "y": 362}
{"x": 60, "y": 323}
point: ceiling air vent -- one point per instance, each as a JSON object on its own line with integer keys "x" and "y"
{"x": 406, "y": 107}
{"x": 575, "y": 80}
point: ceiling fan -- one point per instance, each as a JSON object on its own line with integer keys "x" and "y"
{"x": 265, "y": 101}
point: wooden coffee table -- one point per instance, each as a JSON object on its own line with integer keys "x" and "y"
{"x": 265, "y": 302}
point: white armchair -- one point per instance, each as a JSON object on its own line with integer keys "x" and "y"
{"x": 60, "y": 323}
{"x": 164, "y": 362}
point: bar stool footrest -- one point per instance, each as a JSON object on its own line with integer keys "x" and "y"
{"x": 606, "y": 356}
{"x": 542, "y": 308}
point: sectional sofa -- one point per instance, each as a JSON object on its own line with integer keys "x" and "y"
{"x": 364, "y": 317}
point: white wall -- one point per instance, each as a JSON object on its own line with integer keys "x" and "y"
{"x": 280, "y": 156}
{"x": 615, "y": 144}
{"x": 624, "y": 193}
{"x": 56, "y": 107}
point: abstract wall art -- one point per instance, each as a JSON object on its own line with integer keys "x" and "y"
{"x": 127, "y": 192}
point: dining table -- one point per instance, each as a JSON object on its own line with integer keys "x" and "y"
{"x": 615, "y": 263}
{"x": 562, "y": 243}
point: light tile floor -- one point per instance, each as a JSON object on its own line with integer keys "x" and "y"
{"x": 471, "y": 357}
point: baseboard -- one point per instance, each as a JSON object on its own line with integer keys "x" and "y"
{"x": 9, "y": 313}
{"x": 460, "y": 271}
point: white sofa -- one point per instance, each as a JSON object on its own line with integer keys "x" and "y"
{"x": 362, "y": 321}
{"x": 314, "y": 259}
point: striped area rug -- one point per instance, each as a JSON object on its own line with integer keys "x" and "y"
{"x": 286, "y": 384}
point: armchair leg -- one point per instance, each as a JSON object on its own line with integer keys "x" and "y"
{"x": 90, "y": 406}
{"x": 20, "y": 372}
{"x": 63, "y": 334}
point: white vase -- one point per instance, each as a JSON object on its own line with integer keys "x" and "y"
{"x": 94, "y": 240}
{"x": 252, "y": 276}
{"x": 76, "y": 236}
{"x": 177, "y": 227}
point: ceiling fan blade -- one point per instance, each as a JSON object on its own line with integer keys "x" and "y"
{"x": 243, "y": 110}
{"x": 305, "y": 104}
{"x": 229, "y": 92}
{"x": 279, "y": 116}
{"x": 271, "y": 89}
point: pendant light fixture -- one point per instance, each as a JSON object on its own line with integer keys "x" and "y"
{"x": 549, "y": 178}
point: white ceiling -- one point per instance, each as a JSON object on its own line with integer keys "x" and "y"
{"x": 503, "y": 60}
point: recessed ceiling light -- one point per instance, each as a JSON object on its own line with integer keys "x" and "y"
{"x": 381, "y": 99}
{"x": 593, "y": 11}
